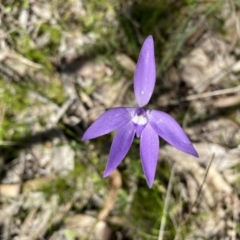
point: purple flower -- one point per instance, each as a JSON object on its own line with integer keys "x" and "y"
{"x": 148, "y": 125}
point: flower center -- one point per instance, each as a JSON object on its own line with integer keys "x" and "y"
{"x": 139, "y": 119}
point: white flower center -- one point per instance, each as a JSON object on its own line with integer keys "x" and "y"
{"x": 140, "y": 120}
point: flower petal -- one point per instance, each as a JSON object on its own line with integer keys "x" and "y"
{"x": 149, "y": 147}
{"x": 145, "y": 73}
{"x": 108, "y": 122}
{"x": 168, "y": 129}
{"x": 120, "y": 147}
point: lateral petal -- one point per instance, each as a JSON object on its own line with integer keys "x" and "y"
{"x": 145, "y": 73}
{"x": 168, "y": 129}
{"x": 108, "y": 122}
{"x": 149, "y": 148}
{"x": 120, "y": 147}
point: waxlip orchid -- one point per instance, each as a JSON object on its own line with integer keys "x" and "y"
{"x": 148, "y": 125}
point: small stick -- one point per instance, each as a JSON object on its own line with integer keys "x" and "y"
{"x": 62, "y": 110}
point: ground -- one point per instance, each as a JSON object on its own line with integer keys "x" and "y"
{"x": 62, "y": 64}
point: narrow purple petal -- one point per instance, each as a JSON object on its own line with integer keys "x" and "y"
{"x": 145, "y": 73}
{"x": 120, "y": 147}
{"x": 108, "y": 122}
{"x": 168, "y": 129}
{"x": 149, "y": 147}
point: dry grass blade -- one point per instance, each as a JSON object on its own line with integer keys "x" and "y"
{"x": 166, "y": 203}
{"x": 209, "y": 94}
{"x": 195, "y": 202}
{"x": 233, "y": 7}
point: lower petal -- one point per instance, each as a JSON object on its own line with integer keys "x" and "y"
{"x": 120, "y": 147}
{"x": 149, "y": 147}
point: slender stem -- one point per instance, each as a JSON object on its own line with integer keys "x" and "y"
{"x": 196, "y": 199}
{"x": 165, "y": 208}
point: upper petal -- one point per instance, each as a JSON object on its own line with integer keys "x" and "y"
{"x": 149, "y": 147}
{"x": 168, "y": 129}
{"x": 108, "y": 122}
{"x": 145, "y": 73}
{"x": 120, "y": 147}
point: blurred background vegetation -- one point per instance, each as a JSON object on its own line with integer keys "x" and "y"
{"x": 63, "y": 63}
